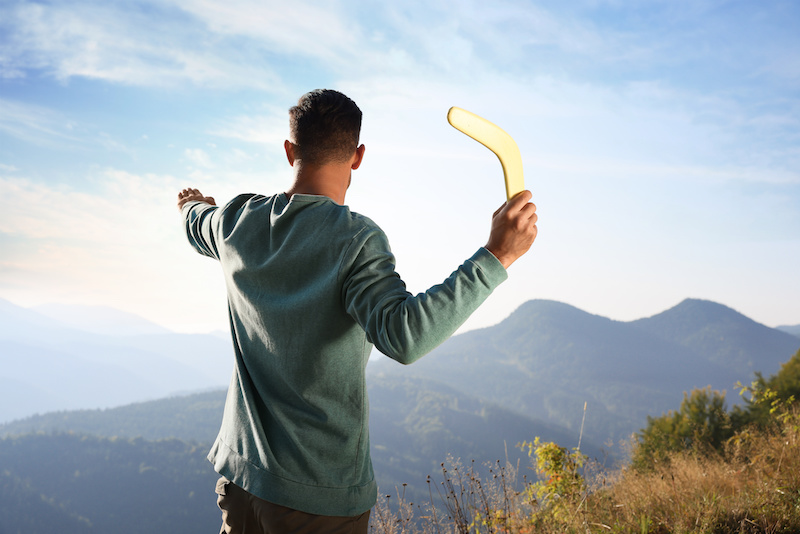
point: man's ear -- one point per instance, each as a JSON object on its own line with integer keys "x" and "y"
{"x": 358, "y": 157}
{"x": 288, "y": 146}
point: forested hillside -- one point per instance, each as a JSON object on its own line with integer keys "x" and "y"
{"x": 414, "y": 426}
{"x": 77, "y": 483}
{"x": 192, "y": 418}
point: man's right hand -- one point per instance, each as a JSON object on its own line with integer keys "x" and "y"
{"x": 513, "y": 229}
{"x": 190, "y": 194}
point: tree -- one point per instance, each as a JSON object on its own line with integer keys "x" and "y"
{"x": 765, "y": 398}
{"x": 702, "y": 424}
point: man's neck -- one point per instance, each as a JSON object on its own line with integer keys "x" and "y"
{"x": 330, "y": 180}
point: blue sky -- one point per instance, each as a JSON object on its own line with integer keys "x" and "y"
{"x": 661, "y": 141}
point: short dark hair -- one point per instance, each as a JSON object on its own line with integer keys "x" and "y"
{"x": 325, "y": 126}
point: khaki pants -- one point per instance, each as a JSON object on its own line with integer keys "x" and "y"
{"x": 243, "y": 513}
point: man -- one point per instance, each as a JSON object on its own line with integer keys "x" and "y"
{"x": 311, "y": 288}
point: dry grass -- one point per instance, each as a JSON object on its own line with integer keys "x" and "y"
{"x": 461, "y": 502}
{"x": 754, "y": 486}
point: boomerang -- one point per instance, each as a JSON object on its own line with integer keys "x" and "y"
{"x": 495, "y": 139}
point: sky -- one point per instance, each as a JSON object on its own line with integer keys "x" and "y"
{"x": 660, "y": 140}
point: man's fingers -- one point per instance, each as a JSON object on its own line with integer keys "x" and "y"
{"x": 528, "y": 211}
{"x": 520, "y": 199}
{"x": 519, "y": 206}
{"x": 189, "y": 194}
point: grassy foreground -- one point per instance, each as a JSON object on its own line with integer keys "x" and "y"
{"x": 751, "y": 485}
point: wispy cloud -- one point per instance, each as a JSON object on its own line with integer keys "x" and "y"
{"x": 122, "y": 43}
{"x": 35, "y": 124}
{"x": 50, "y": 128}
{"x": 406, "y": 56}
{"x": 248, "y": 43}
{"x": 198, "y": 157}
{"x": 245, "y": 43}
{"x": 302, "y": 29}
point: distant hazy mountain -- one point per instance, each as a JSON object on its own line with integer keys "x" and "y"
{"x": 791, "y": 329}
{"x": 542, "y": 362}
{"x": 99, "y": 319}
{"x": 48, "y": 365}
{"x": 548, "y": 358}
{"x": 723, "y": 336}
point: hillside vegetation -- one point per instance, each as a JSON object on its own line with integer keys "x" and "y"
{"x": 414, "y": 425}
{"x": 699, "y": 469}
{"x": 66, "y": 483}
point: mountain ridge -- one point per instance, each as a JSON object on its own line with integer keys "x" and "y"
{"x": 701, "y": 324}
{"x": 548, "y": 358}
{"x": 75, "y": 363}
{"x": 103, "y": 320}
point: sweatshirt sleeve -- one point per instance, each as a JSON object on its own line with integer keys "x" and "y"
{"x": 200, "y": 222}
{"x": 406, "y": 327}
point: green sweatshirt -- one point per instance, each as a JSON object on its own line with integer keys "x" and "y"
{"x": 311, "y": 287}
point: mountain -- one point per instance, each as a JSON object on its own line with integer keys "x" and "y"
{"x": 50, "y": 365}
{"x": 543, "y": 362}
{"x": 17, "y": 322}
{"x": 99, "y": 319}
{"x": 548, "y": 358}
{"x": 791, "y": 329}
{"x": 193, "y": 418}
{"x": 724, "y": 336}
{"x": 69, "y": 483}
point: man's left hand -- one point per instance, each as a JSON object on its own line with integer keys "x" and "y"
{"x": 189, "y": 195}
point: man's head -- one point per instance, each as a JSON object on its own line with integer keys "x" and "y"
{"x": 325, "y": 126}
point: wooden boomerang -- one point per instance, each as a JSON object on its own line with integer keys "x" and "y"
{"x": 495, "y": 139}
